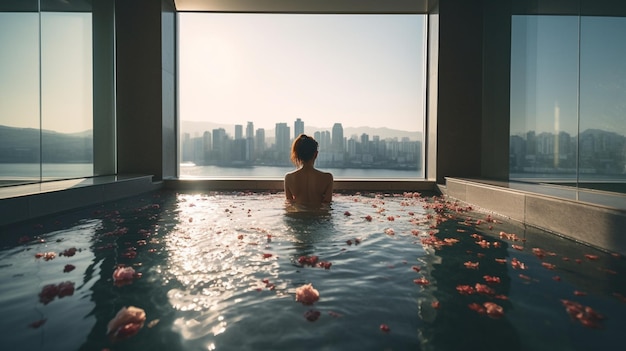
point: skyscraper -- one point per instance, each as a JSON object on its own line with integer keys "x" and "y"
{"x": 324, "y": 140}
{"x": 259, "y": 145}
{"x": 219, "y": 143}
{"x": 298, "y": 128}
{"x": 250, "y": 130}
{"x": 365, "y": 143}
{"x": 282, "y": 142}
{"x": 337, "y": 138}
{"x": 250, "y": 147}
{"x": 207, "y": 144}
{"x": 187, "y": 152}
{"x": 238, "y": 131}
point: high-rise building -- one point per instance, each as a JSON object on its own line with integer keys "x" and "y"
{"x": 365, "y": 143}
{"x": 250, "y": 130}
{"x": 207, "y": 144}
{"x": 238, "y": 131}
{"x": 298, "y": 128}
{"x": 198, "y": 151}
{"x": 250, "y": 147}
{"x": 337, "y": 138}
{"x": 351, "y": 147}
{"x": 219, "y": 144}
{"x": 365, "y": 138}
{"x": 282, "y": 141}
{"x": 324, "y": 140}
{"x": 259, "y": 145}
{"x": 187, "y": 152}
{"x": 239, "y": 151}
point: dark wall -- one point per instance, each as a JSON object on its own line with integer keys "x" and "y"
{"x": 459, "y": 107}
{"x": 103, "y": 15}
{"x": 139, "y": 87}
{"x": 496, "y": 107}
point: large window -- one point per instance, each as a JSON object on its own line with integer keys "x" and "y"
{"x": 46, "y": 114}
{"x": 568, "y": 93}
{"x": 250, "y": 83}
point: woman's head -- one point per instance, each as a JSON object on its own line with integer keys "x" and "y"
{"x": 303, "y": 149}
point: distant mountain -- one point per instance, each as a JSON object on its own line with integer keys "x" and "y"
{"x": 382, "y": 132}
{"x": 598, "y": 132}
{"x": 19, "y": 145}
{"x": 196, "y": 129}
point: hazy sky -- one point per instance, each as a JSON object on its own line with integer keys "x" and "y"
{"x": 360, "y": 70}
{"x": 66, "y": 71}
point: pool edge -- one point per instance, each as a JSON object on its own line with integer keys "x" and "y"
{"x": 56, "y": 197}
{"x": 596, "y": 225}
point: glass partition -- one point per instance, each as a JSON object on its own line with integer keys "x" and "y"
{"x": 66, "y": 95}
{"x": 544, "y": 98}
{"x": 250, "y": 83}
{"x": 602, "y": 103}
{"x": 568, "y": 100}
{"x": 20, "y": 137}
{"x": 46, "y": 91}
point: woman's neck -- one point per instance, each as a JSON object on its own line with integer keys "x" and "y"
{"x": 308, "y": 165}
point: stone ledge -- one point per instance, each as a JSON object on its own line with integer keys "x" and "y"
{"x": 24, "y": 202}
{"x": 596, "y": 225}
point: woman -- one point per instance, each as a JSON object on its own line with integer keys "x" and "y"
{"x": 307, "y": 185}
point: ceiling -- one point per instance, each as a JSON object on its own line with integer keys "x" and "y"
{"x": 45, "y": 5}
{"x": 305, "y": 6}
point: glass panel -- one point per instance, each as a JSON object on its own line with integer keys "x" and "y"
{"x": 603, "y": 103}
{"x": 168, "y": 46}
{"x": 544, "y": 98}
{"x": 250, "y": 83}
{"x": 19, "y": 97}
{"x": 67, "y": 95}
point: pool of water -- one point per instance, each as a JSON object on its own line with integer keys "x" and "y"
{"x": 219, "y": 271}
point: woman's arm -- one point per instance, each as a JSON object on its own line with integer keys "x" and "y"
{"x": 328, "y": 191}
{"x": 288, "y": 193}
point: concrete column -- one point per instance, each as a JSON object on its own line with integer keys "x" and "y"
{"x": 459, "y": 96}
{"x": 496, "y": 99}
{"x": 145, "y": 131}
{"x": 103, "y": 22}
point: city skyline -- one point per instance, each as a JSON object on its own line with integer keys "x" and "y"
{"x": 197, "y": 128}
{"x": 216, "y": 147}
{"x": 285, "y": 130}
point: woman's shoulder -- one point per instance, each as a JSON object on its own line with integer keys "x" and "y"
{"x": 291, "y": 174}
{"x": 325, "y": 174}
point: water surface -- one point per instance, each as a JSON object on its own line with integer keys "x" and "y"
{"x": 220, "y": 271}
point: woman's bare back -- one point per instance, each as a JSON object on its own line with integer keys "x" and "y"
{"x": 309, "y": 186}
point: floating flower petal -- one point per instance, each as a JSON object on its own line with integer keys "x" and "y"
{"x": 312, "y": 315}
{"x": 493, "y": 310}
{"x": 307, "y": 295}
{"x": 126, "y": 323}
{"x": 471, "y": 265}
